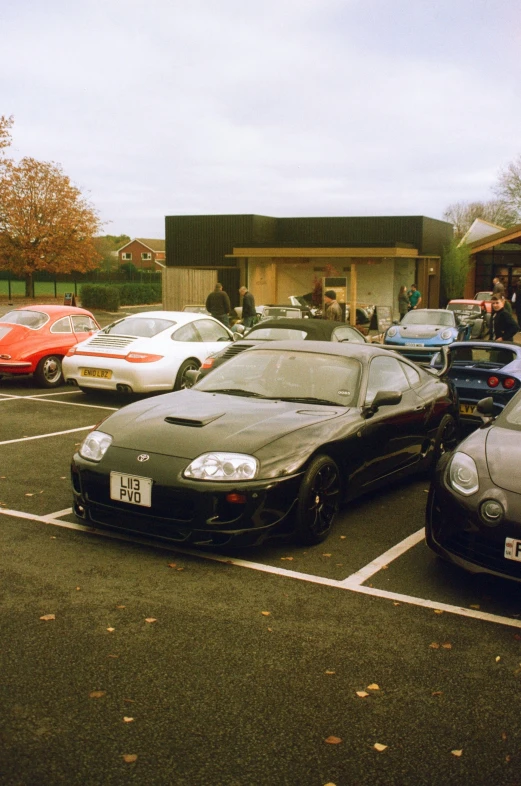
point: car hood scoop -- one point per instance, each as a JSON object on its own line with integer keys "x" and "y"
{"x": 177, "y": 420}
{"x": 228, "y": 423}
{"x": 419, "y": 331}
{"x": 503, "y": 458}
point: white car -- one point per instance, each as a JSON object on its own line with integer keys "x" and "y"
{"x": 145, "y": 352}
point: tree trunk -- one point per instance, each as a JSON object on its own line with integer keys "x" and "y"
{"x": 29, "y": 285}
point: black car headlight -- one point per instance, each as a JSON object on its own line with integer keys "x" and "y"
{"x": 463, "y": 474}
{"x": 95, "y": 445}
{"x": 222, "y": 466}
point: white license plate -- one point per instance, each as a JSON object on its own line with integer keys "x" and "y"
{"x": 99, "y": 373}
{"x": 467, "y": 409}
{"x": 131, "y": 488}
{"x": 513, "y": 549}
{"x": 410, "y": 344}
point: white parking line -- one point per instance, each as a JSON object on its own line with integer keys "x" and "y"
{"x": 351, "y": 583}
{"x": 45, "y": 436}
{"x": 44, "y": 397}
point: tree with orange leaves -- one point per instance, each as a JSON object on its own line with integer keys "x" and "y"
{"x": 45, "y": 222}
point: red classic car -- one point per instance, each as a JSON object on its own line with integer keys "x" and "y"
{"x": 34, "y": 339}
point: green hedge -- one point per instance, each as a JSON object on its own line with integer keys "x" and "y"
{"x": 99, "y": 296}
{"x": 109, "y": 297}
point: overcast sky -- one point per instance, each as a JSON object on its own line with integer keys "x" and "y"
{"x": 276, "y": 107}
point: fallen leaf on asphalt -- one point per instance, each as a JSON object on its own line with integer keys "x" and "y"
{"x": 498, "y": 659}
{"x": 508, "y": 758}
{"x": 78, "y": 588}
{"x": 396, "y": 603}
{"x": 437, "y": 693}
{"x": 330, "y": 784}
{"x": 503, "y": 735}
{"x": 270, "y": 630}
{"x": 180, "y": 568}
{"x": 475, "y": 606}
{"x": 111, "y": 630}
{"x": 373, "y": 686}
{"x": 434, "y": 645}
{"x": 96, "y": 694}
{"x": 265, "y": 613}
{"x": 289, "y": 559}
{"x": 120, "y": 607}
{"x": 126, "y": 719}
{"x": 112, "y": 656}
{"x": 53, "y": 537}
{"x": 129, "y": 757}
{"x": 333, "y": 740}
{"x": 150, "y": 619}
{"x": 447, "y": 645}
{"x": 362, "y": 693}
{"x": 326, "y": 555}
{"x": 63, "y": 477}
{"x": 328, "y": 671}
{"x": 385, "y": 567}
{"x": 457, "y": 753}
{"x": 379, "y": 747}
{"x": 47, "y": 617}
{"x": 438, "y": 611}
{"x": 172, "y": 565}
{"x": 29, "y": 494}
{"x": 131, "y": 701}
{"x": 343, "y": 537}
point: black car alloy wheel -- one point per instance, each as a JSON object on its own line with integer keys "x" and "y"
{"x": 181, "y": 380}
{"x": 319, "y": 501}
{"x": 446, "y": 438}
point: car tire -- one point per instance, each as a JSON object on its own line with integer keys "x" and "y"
{"x": 318, "y": 501}
{"x": 48, "y": 372}
{"x": 447, "y": 437}
{"x": 181, "y": 381}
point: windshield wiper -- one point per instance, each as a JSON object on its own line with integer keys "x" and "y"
{"x": 310, "y": 400}
{"x": 237, "y": 392}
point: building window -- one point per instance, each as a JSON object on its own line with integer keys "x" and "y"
{"x": 127, "y": 256}
{"x": 146, "y": 255}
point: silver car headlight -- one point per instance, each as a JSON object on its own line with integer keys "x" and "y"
{"x": 95, "y": 445}
{"x": 222, "y": 466}
{"x": 463, "y": 474}
{"x": 392, "y": 332}
{"x": 446, "y": 334}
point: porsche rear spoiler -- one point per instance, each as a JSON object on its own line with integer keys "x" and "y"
{"x": 422, "y": 356}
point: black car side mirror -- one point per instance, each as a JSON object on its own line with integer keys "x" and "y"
{"x": 383, "y": 398}
{"x": 485, "y": 408}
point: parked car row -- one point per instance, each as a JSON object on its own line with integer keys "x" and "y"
{"x": 285, "y": 425}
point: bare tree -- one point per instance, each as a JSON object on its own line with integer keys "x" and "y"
{"x": 508, "y": 187}
{"x": 463, "y": 214}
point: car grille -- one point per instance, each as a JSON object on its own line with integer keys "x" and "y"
{"x": 110, "y": 342}
{"x": 235, "y": 349}
{"x": 168, "y": 504}
{"x": 481, "y": 551}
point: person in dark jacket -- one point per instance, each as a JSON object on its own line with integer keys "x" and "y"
{"x": 249, "y": 311}
{"x": 332, "y": 307}
{"x": 218, "y": 304}
{"x": 503, "y": 326}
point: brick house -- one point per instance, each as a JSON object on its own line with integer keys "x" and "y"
{"x": 144, "y": 253}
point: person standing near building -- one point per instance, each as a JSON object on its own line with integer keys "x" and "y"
{"x": 403, "y": 302}
{"x": 333, "y": 310}
{"x": 415, "y": 297}
{"x": 218, "y": 304}
{"x": 498, "y": 287}
{"x": 248, "y": 307}
{"x": 503, "y": 326}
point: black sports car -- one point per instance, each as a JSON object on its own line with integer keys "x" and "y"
{"x": 270, "y": 442}
{"x": 284, "y": 330}
{"x": 474, "y": 503}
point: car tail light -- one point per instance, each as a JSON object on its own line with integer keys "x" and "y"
{"x": 142, "y": 357}
{"x": 492, "y": 382}
{"x": 509, "y": 383}
{"x": 208, "y": 363}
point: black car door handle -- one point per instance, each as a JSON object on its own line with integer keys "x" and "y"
{"x": 419, "y": 408}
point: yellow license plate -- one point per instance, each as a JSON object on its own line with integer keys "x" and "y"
{"x": 467, "y": 409}
{"x": 99, "y": 373}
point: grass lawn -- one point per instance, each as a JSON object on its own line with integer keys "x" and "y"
{"x": 41, "y": 288}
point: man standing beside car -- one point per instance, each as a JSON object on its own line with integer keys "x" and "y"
{"x": 503, "y": 326}
{"x": 249, "y": 311}
{"x": 218, "y": 304}
{"x": 415, "y": 297}
{"x": 333, "y": 310}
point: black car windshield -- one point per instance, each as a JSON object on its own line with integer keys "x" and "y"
{"x": 285, "y": 374}
{"x": 426, "y": 317}
{"x": 141, "y": 326}
{"x": 27, "y": 318}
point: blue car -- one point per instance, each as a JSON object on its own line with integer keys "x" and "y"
{"x": 427, "y": 329}
{"x": 480, "y": 369}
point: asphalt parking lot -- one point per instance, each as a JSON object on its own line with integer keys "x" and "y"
{"x": 275, "y": 665}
